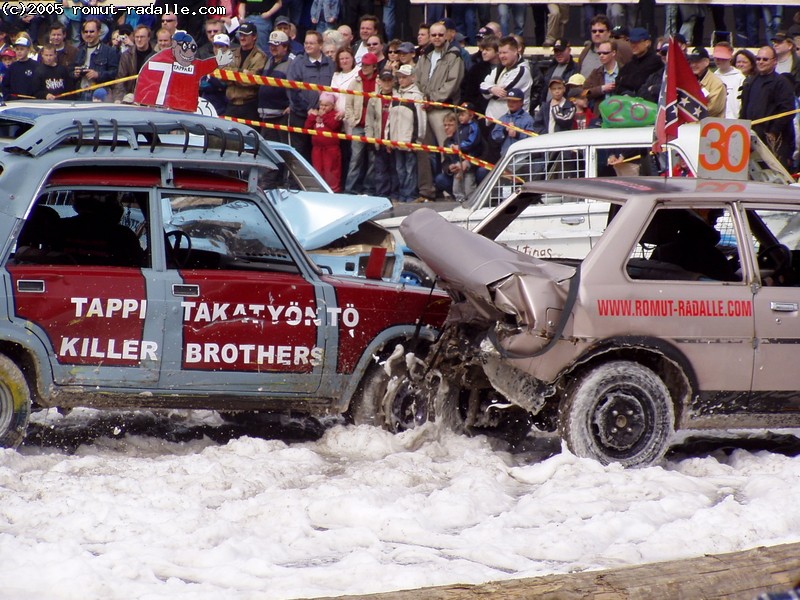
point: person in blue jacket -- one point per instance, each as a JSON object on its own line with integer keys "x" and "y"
{"x": 516, "y": 116}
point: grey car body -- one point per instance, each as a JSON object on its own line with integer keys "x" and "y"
{"x": 684, "y": 315}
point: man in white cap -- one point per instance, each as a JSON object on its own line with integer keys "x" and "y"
{"x": 273, "y": 101}
{"x": 22, "y": 79}
{"x": 211, "y": 88}
{"x": 407, "y": 123}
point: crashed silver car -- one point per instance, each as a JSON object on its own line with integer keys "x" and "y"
{"x": 684, "y": 315}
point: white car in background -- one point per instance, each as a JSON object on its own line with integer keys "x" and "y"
{"x": 565, "y": 227}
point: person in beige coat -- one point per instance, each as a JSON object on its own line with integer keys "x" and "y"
{"x": 715, "y": 91}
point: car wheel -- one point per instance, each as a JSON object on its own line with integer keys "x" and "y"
{"x": 406, "y": 408}
{"x": 416, "y": 272}
{"x": 15, "y": 404}
{"x": 619, "y": 412}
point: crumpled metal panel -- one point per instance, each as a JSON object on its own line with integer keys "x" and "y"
{"x": 467, "y": 261}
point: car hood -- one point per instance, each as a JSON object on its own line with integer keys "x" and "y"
{"x": 319, "y": 218}
{"x": 491, "y": 275}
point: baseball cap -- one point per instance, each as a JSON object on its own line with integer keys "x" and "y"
{"x": 576, "y": 92}
{"x": 125, "y": 28}
{"x": 221, "y": 39}
{"x": 406, "y": 48}
{"x": 448, "y": 23}
{"x": 282, "y": 20}
{"x": 698, "y": 53}
{"x": 560, "y": 44}
{"x": 22, "y": 41}
{"x": 369, "y": 59}
{"x": 620, "y": 31}
{"x": 483, "y": 32}
{"x": 639, "y": 34}
{"x": 459, "y": 37}
{"x": 386, "y": 75}
{"x": 782, "y": 36}
{"x": 8, "y": 52}
{"x": 405, "y": 70}
{"x": 555, "y": 80}
{"x": 680, "y": 38}
{"x": 278, "y": 37}
{"x": 515, "y": 94}
{"x": 247, "y": 28}
{"x": 722, "y": 52}
{"x": 576, "y": 79}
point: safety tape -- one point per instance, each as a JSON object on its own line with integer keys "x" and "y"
{"x": 97, "y": 86}
{"x": 364, "y": 139}
{"x": 250, "y": 79}
{"x": 771, "y": 117}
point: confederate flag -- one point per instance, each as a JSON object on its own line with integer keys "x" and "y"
{"x": 681, "y": 99}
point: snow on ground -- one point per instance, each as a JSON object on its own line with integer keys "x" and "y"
{"x": 182, "y": 506}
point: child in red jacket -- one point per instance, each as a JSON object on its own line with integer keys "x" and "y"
{"x": 326, "y": 156}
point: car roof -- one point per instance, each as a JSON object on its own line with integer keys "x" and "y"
{"x": 587, "y": 137}
{"x": 621, "y": 189}
{"x": 40, "y": 127}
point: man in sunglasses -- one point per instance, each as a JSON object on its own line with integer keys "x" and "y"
{"x": 600, "y": 33}
{"x": 95, "y": 62}
{"x": 602, "y": 81}
{"x": 769, "y": 93}
{"x": 172, "y": 77}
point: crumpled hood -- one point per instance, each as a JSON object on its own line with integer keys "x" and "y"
{"x": 319, "y": 218}
{"x": 467, "y": 261}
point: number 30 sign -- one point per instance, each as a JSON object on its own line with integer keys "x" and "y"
{"x": 724, "y": 149}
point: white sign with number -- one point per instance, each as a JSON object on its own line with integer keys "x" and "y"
{"x": 724, "y": 149}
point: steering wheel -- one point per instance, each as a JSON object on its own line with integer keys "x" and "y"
{"x": 779, "y": 258}
{"x": 174, "y": 239}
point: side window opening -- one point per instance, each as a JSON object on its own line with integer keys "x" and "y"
{"x": 214, "y": 232}
{"x": 86, "y": 227}
{"x": 687, "y": 245}
{"x": 776, "y": 243}
{"x": 537, "y": 166}
{"x": 626, "y": 162}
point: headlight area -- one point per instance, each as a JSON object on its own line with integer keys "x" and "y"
{"x": 512, "y": 297}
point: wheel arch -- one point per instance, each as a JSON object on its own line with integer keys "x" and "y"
{"x": 381, "y": 347}
{"x": 30, "y": 361}
{"x": 660, "y": 356}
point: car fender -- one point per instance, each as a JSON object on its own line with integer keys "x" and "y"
{"x": 31, "y": 345}
{"x": 638, "y": 348}
{"x": 373, "y": 353}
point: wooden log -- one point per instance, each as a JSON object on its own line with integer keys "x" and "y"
{"x": 737, "y": 575}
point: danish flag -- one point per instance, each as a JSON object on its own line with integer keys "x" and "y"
{"x": 681, "y": 99}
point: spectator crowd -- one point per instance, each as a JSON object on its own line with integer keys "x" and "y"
{"x": 48, "y": 57}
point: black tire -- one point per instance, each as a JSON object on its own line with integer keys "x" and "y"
{"x": 416, "y": 272}
{"x": 408, "y": 408}
{"x": 15, "y": 404}
{"x": 366, "y": 405}
{"x": 618, "y": 412}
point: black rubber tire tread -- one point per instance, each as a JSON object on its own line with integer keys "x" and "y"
{"x": 15, "y": 404}
{"x": 585, "y": 401}
{"x": 365, "y": 406}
